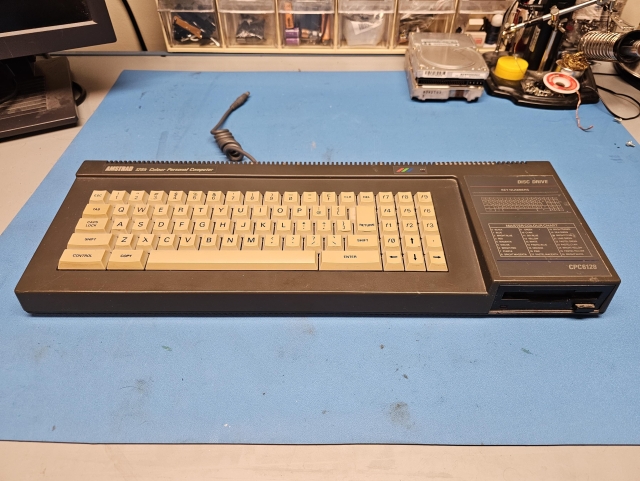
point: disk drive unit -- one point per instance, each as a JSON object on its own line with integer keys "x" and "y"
{"x": 440, "y": 66}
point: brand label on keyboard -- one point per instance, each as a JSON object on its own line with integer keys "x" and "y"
{"x": 532, "y": 229}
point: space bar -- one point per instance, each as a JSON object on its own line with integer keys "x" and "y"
{"x": 213, "y": 260}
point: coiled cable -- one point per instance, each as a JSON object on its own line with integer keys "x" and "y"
{"x": 228, "y": 145}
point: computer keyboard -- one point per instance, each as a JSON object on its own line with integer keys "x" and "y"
{"x": 454, "y": 238}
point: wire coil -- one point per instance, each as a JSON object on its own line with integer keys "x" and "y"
{"x": 599, "y": 45}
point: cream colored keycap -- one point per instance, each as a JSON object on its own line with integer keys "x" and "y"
{"x": 118, "y": 197}
{"x": 414, "y": 261}
{"x": 350, "y": 261}
{"x": 334, "y": 243}
{"x": 313, "y": 243}
{"x": 202, "y": 227}
{"x": 343, "y": 227}
{"x": 240, "y": 212}
{"x": 221, "y": 212}
{"x": 253, "y": 198}
{"x": 99, "y": 197}
{"x": 300, "y": 212}
{"x": 242, "y": 260}
{"x": 91, "y": 241}
{"x": 162, "y": 212}
{"x": 126, "y": 241}
{"x": 409, "y": 227}
{"x": 392, "y": 261}
{"x": 406, "y": 212}
{"x": 347, "y": 199}
{"x": 366, "y": 219}
{"x": 436, "y": 261}
{"x": 188, "y": 242}
{"x": 279, "y": 212}
{"x": 168, "y": 241}
{"x": 121, "y": 226}
{"x": 324, "y": 227}
{"x": 429, "y": 227}
{"x": 177, "y": 197}
{"x": 292, "y": 242}
{"x": 391, "y": 243}
{"x": 243, "y": 227}
{"x": 309, "y": 198}
{"x": 209, "y": 242}
{"x": 291, "y": 198}
{"x": 201, "y": 212}
{"x": 147, "y": 242}
{"x": 284, "y": 227}
{"x": 328, "y": 198}
{"x": 97, "y": 211}
{"x": 389, "y": 227}
{"x": 362, "y": 242}
{"x": 387, "y": 212}
{"x": 404, "y": 198}
{"x": 304, "y": 227}
{"x": 157, "y": 197}
{"x": 142, "y": 212}
{"x": 83, "y": 259}
{"x": 183, "y": 227}
{"x": 261, "y": 212}
{"x": 385, "y": 198}
{"x": 423, "y": 198}
{"x": 338, "y": 212}
{"x": 271, "y": 198}
{"x": 251, "y": 242}
{"x": 215, "y": 197}
{"x": 223, "y": 226}
{"x": 272, "y": 243}
{"x": 366, "y": 198}
{"x": 127, "y": 260}
{"x": 411, "y": 242}
{"x": 427, "y": 212}
{"x": 432, "y": 242}
{"x": 182, "y": 212}
{"x": 263, "y": 227}
{"x": 93, "y": 225}
{"x": 162, "y": 226}
{"x": 196, "y": 197}
{"x": 121, "y": 211}
{"x": 234, "y": 197}
{"x": 138, "y": 197}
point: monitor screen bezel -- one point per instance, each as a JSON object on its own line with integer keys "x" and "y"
{"x": 64, "y": 38}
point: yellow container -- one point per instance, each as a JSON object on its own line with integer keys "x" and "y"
{"x": 511, "y": 68}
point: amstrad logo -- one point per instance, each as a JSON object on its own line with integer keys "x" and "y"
{"x": 404, "y": 170}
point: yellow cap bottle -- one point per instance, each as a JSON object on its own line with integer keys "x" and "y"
{"x": 511, "y": 68}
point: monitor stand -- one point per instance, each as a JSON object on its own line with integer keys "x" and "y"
{"x": 44, "y": 100}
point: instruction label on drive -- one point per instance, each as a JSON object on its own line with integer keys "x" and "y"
{"x": 538, "y": 240}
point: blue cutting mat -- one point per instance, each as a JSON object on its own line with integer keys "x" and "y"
{"x": 329, "y": 380}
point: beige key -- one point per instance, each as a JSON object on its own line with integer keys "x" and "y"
{"x": 436, "y": 261}
{"x": 406, "y": 212}
{"x": 157, "y": 197}
{"x": 291, "y": 198}
{"x": 162, "y": 212}
{"x": 304, "y": 227}
{"x": 177, "y": 197}
{"x": 348, "y": 199}
{"x": 162, "y": 226}
{"x": 182, "y": 212}
{"x": 183, "y": 227}
{"x": 309, "y": 198}
{"x": 350, "y": 261}
{"x": 263, "y": 227}
{"x": 196, "y": 197}
{"x": 241, "y": 212}
{"x": 414, "y": 261}
{"x": 215, "y": 197}
{"x": 432, "y": 242}
{"x": 427, "y": 212}
{"x": 292, "y": 242}
{"x": 209, "y": 242}
{"x": 223, "y": 226}
{"x": 362, "y": 242}
{"x": 404, "y": 198}
{"x": 366, "y": 198}
{"x": 385, "y": 198}
{"x": 429, "y": 227}
{"x": 121, "y": 211}
{"x": 168, "y": 241}
{"x": 272, "y": 242}
{"x": 387, "y": 212}
{"x": 328, "y": 198}
{"x": 126, "y": 241}
{"x": 93, "y": 225}
{"x": 260, "y": 212}
{"x": 142, "y": 211}
{"x": 338, "y": 213}
{"x": 390, "y": 227}
{"x": 324, "y": 227}
{"x": 392, "y": 261}
{"x": 313, "y": 243}
{"x": 391, "y": 243}
{"x": 343, "y": 227}
{"x": 121, "y": 226}
{"x": 83, "y": 259}
{"x": 411, "y": 243}
{"x": 138, "y": 197}
{"x": 118, "y": 197}
{"x": 202, "y": 227}
{"x": 97, "y": 211}
{"x": 253, "y": 198}
{"x": 243, "y": 227}
{"x": 221, "y": 212}
{"x": 271, "y": 198}
{"x": 409, "y": 227}
{"x": 423, "y": 198}
{"x": 251, "y": 242}
{"x": 300, "y": 212}
{"x": 99, "y": 197}
{"x": 188, "y": 242}
{"x": 234, "y": 197}
{"x": 242, "y": 260}
{"x": 91, "y": 241}
{"x": 141, "y": 226}
{"x": 284, "y": 227}
{"x": 333, "y": 243}
{"x": 366, "y": 219}
{"x": 127, "y": 260}
{"x": 279, "y": 212}
{"x": 147, "y": 242}
{"x": 201, "y": 212}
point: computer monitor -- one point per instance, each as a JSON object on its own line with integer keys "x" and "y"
{"x": 37, "y": 96}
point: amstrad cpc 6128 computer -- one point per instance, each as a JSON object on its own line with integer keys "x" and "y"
{"x": 413, "y": 239}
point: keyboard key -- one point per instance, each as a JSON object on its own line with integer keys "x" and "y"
{"x": 436, "y": 261}
{"x": 127, "y": 260}
{"x": 291, "y": 198}
{"x": 313, "y": 243}
{"x": 271, "y": 198}
{"x": 432, "y": 242}
{"x": 348, "y": 199}
{"x": 292, "y": 242}
{"x": 392, "y": 261}
{"x": 334, "y": 243}
{"x": 366, "y": 198}
{"x": 196, "y": 197}
{"x": 253, "y": 198}
{"x": 242, "y": 260}
{"x": 83, "y": 259}
{"x": 118, "y": 197}
{"x": 404, "y": 198}
{"x": 309, "y": 198}
{"x": 177, "y": 197}
{"x": 147, "y": 242}
{"x": 230, "y": 242}
{"x": 209, "y": 242}
{"x": 350, "y": 261}
{"x": 91, "y": 241}
{"x": 423, "y": 198}
{"x": 251, "y": 242}
{"x": 366, "y": 219}
{"x": 99, "y": 197}
{"x": 414, "y": 261}
{"x": 385, "y": 198}
{"x": 272, "y": 243}
{"x": 215, "y": 197}
{"x": 121, "y": 226}
{"x": 138, "y": 197}
{"x": 362, "y": 242}
{"x": 157, "y": 197}
{"x": 234, "y": 197}
{"x": 141, "y": 226}
{"x": 97, "y": 211}
{"x": 142, "y": 212}
{"x": 126, "y": 241}
{"x": 168, "y": 242}
{"x": 121, "y": 211}
{"x": 93, "y": 225}
{"x": 328, "y": 198}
